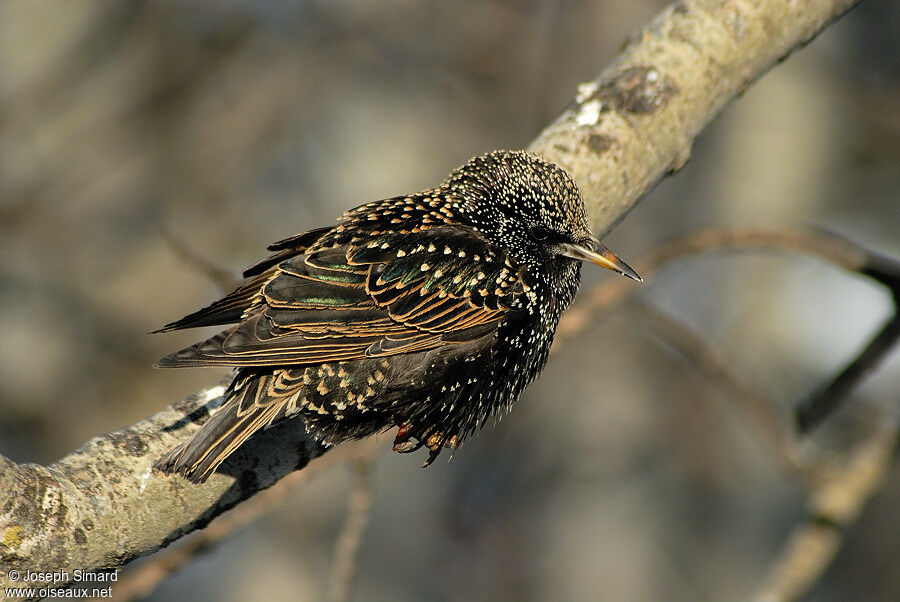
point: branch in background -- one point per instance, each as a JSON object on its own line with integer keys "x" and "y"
{"x": 101, "y": 506}
{"x": 834, "y": 504}
{"x": 346, "y": 549}
{"x": 189, "y": 256}
{"x": 821, "y": 405}
{"x": 708, "y": 363}
{"x": 833, "y": 248}
{"x": 830, "y": 247}
{"x": 837, "y": 491}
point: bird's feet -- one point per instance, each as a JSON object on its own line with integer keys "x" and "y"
{"x": 434, "y": 441}
{"x": 403, "y": 442}
{"x": 437, "y": 442}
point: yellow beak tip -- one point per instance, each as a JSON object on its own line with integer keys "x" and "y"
{"x": 598, "y": 254}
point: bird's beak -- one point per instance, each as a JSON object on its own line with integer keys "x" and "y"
{"x": 591, "y": 250}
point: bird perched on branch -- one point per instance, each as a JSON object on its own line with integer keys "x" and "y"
{"x": 430, "y": 312}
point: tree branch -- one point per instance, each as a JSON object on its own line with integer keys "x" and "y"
{"x": 820, "y": 405}
{"x": 102, "y": 506}
{"x": 346, "y": 549}
{"x": 833, "y": 504}
{"x": 139, "y": 582}
{"x": 638, "y": 120}
{"x": 830, "y": 247}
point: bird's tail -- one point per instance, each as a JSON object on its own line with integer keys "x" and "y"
{"x": 226, "y": 430}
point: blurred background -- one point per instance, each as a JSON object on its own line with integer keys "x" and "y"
{"x": 132, "y": 130}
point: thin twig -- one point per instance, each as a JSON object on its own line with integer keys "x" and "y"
{"x": 346, "y": 549}
{"x": 222, "y": 278}
{"x": 838, "y": 492}
{"x": 821, "y": 405}
{"x": 708, "y": 363}
{"x": 828, "y": 246}
{"x": 834, "y": 504}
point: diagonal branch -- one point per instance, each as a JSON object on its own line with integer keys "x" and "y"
{"x": 818, "y": 407}
{"x": 101, "y": 506}
{"x": 346, "y": 549}
{"x": 833, "y": 505}
{"x": 707, "y": 362}
{"x": 837, "y": 489}
{"x": 828, "y": 246}
{"x": 637, "y": 121}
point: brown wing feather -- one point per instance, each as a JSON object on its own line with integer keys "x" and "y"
{"x": 228, "y": 310}
{"x": 287, "y": 248}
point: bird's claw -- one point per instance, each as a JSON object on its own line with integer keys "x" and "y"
{"x": 403, "y": 441}
{"x": 435, "y": 442}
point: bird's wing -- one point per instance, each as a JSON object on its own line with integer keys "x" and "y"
{"x": 388, "y": 295}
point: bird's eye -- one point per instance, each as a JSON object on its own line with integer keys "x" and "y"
{"x": 540, "y": 233}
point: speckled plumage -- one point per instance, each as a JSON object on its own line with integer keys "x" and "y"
{"x": 430, "y": 312}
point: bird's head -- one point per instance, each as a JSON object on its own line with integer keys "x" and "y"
{"x": 532, "y": 207}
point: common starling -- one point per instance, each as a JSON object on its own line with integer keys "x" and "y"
{"x": 430, "y": 312}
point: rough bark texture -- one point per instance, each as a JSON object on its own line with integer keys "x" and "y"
{"x": 102, "y": 506}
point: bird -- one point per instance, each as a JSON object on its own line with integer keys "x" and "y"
{"x": 429, "y": 312}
